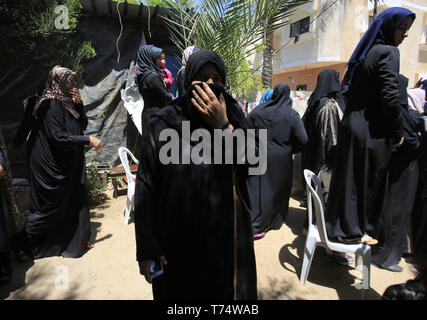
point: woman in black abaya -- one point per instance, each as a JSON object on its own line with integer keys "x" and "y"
{"x": 270, "y": 192}
{"x": 372, "y": 123}
{"x": 58, "y": 223}
{"x": 403, "y": 174}
{"x": 321, "y": 120}
{"x": 150, "y": 77}
{"x": 202, "y": 233}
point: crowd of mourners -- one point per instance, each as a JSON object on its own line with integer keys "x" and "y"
{"x": 195, "y": 224}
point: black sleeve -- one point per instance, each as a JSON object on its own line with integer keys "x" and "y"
{"x": 55, "y": 128}
{"x": 83, "y": 117}
{"x": 26, "y": 123}
{"x": 388, "y": 86}
{"x": 298, "y": 135}
{"x": 147, "y": 245}
{"x": 156, "y": 84}
{"x": 180, "y": 81}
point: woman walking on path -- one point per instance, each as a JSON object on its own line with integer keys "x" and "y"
{"x": 270, "y": 192}
{"x": 371, "y": 125}
{"x": 58, "y": 223}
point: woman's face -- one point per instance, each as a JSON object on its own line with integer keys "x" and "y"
{"x": 161, "y": 61}
{"x": 401, "y": 31}
{"x": 209, "y": 74}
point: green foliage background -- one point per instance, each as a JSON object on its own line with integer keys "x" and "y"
{"x": 31, "y": 37}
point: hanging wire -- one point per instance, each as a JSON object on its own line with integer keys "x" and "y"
{"x": 121, "y": 30}
{"x": 149, "y": 14}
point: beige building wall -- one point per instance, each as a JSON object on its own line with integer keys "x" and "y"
{"x": 334, "y": 36}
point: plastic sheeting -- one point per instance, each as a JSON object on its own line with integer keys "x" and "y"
{"x": 104, "y": 78}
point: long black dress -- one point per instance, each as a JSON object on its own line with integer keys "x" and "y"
{"x": 372, "y": 119}
{"x": 321, "y": 122}
{"x": 402, "y": 182}
{"x": 4, "y": 239}
{"x": 270, "y": 192}
{"x": 191, "y": 213}
{"x": 58, "y": 222}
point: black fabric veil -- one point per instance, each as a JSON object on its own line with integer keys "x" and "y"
{"x": 275, "y": 109}
{"x": 194, "y": 64}
{"x": 146, "y": 61}
{"x": 328, "y": 85}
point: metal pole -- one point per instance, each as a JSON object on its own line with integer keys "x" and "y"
{"x": 375, "y": 8}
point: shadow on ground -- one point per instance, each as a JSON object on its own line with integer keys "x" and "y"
{"x": 323, "y": 272}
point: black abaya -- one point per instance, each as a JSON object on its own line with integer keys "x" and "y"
{"x": 4, "y": 239}
{"x": 401, "y": 191}
{"x": 270, "y": 192}
{"x": 58, "y": 222}
{"x": 186, "y": 212}
{"x": 371, "y": 121}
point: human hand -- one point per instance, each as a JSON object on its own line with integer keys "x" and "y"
{"x": 75, "y": 94}
{"x": 145, "y": 265}
{"x": 95, "y": 143}
{"x": 399, "y": 143}
{"x": 1, "y": 171}
{"x": 212, "y": 110}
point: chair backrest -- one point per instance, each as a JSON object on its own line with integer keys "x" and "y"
{"x": 315, "y": 201}
{"x": 123, "y": 154}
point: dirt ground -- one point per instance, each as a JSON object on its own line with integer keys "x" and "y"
{"x": 109, "y": 271}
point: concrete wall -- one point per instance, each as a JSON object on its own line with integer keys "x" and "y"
{"x": 307, "y": 76}
{"x": 334, "y": 36}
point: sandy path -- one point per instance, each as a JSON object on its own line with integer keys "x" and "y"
{"x": 109, "y": 270}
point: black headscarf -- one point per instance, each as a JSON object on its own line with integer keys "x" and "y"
{"x": 274, "y": 109}
{"x": 381, "y": 30}
{"x": 328, "y": 85}
{"x": 183, "y": 104}
{"x": 146, "y": 60}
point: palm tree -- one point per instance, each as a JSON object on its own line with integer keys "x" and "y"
{"x": 235, "y": 29}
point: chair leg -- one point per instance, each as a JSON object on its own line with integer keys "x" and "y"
{"x": 127, "y": 210}
{"x": 359, "y": 262}
{"x": 309, "y": 248}
{"x": 367, "y": 268}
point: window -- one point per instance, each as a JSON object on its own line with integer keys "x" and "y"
{"x": 300, "y": 27}
{"x": 302, "y": 87}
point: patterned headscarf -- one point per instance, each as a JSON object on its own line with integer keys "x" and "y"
{"x": 58, "y": 85}
{"x": 187, "y": 53}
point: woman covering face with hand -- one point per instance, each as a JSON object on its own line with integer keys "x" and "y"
{"x": 202, "y": 233}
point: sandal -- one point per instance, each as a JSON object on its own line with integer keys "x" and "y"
{"x": 259, "y": 235}
{"x": 369, "y": 240}
{"x": 365, "y": 240}
{"x": 90, "y": 246}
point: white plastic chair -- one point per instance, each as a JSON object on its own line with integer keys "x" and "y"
{"x": 123, "y": 154}
{"x": 317, "y": 235}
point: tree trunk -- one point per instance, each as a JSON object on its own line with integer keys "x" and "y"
{"x": 267, "y": 62}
